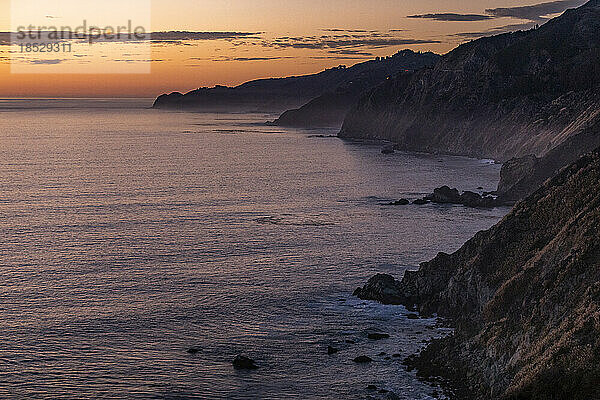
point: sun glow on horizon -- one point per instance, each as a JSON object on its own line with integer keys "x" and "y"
{"x": 266, "y": 38}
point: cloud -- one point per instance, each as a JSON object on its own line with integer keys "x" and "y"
{"x": 448, "y": 17}
{"x": 168, "y": 37}
{"x": 46, "y": 62}
{"x": 350, "y": 52}
{"x": 340, "y": 58}
{"x": 496, "y": 30}
{"x": 534, "y": 15}
{"x": 348, "y": 30}
{"x": 370, "y": 40}
{"x": 246, "y": 59}
{"x": 537, "y": 12}
{"x": 180, "y": 36}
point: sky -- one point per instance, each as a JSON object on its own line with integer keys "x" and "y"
{"x": 199, "y": 43}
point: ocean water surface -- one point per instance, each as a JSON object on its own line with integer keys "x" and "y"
{"x": 129, "y": 235}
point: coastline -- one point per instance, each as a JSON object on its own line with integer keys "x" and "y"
{"x": 500, "y": 292}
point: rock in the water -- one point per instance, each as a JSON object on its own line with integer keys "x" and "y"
{"x": 372, "y": 387}
{"x": 193, "y": 350}
{"x": 378, "y": 336}
{"x": 388, "y": 150}
{"x": 445, "y": 195}
{"x": 470, "y": 199}
{"x": 243, "y": 362}
{"x": 332, "y": 350}
{"x": 420, "y": 202}
{"x": 363, "y": 359}
{"x": 382, "y": 288}
{"x": 401, "y": 202}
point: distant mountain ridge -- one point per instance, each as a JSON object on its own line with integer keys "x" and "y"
{"x": 280, "y": 94}
{"x": 500, "y": 97}
{"x": 330, "y": 108}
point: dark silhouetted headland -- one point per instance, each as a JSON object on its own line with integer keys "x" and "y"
{"x": 280, "y": 94}
{"x": 330, "y": 108}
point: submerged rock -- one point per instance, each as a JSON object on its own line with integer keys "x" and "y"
{"x": 363, "y": 359}
{"x": 332, "y": 350}
{"x": 388, "y": 150}
{"x": 193, "y": 350}
{"x": 243, "y": 362}
{"x": 401, "y": 202}
{"x": 378, "y": 336}
{"x": 420, "y": 202}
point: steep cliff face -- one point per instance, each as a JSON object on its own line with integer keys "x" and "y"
{"x": 524, "y": 296}
{"x": 276, "y": 95}
{"x": 521, "y": 176}
{"x": 504, "y": 96}
{"x": 331, "y": 107}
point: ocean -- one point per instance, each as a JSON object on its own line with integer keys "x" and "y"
{"x": 130, "y": 235}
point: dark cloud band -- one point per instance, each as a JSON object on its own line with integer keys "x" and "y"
{"x": 450, "y": 17}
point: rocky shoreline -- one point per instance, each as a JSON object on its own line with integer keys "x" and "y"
{"x": 523, "y": 297}
{"x": 446, "y": 195}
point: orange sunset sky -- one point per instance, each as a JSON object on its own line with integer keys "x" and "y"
{"x": 265, "y": 38}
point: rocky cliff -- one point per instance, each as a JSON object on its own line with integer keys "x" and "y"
{"x": 524, "y": 297}
{"x": 521, "y": 176}
{"x": 277, "y": 95}
{"x": 330, "y": 108}
{"x": 500, "y": 97}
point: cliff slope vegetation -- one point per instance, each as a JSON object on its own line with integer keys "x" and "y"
{"x": 524, "y": 297}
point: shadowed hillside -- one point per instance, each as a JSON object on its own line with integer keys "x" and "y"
{"x": 331, "y": 107}
{"x": 505, "y": 96}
